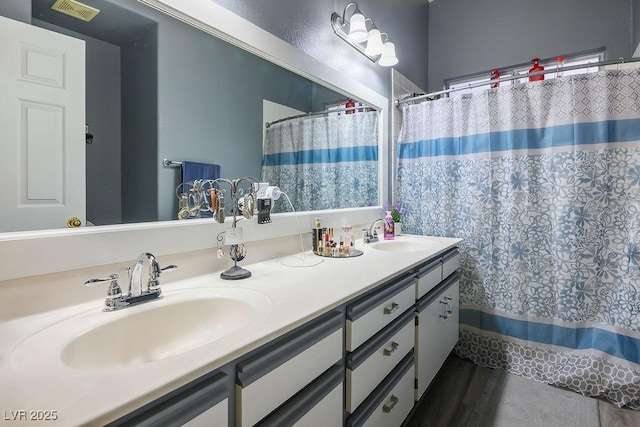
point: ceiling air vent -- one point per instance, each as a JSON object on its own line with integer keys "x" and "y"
{"x": 75, "y": 9}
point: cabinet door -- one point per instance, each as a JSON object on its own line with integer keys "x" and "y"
{"x": 436, "y": 332}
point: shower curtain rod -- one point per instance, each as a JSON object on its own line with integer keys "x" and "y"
{"x": 317, "y": 113}
{"x": 619, "y": 61}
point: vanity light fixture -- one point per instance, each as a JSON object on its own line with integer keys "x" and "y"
{"x": 366, "y": 41}
{"x": 388, "y": 57}
{"x": 357, "y": 26}
{"x": 374, "y": 42}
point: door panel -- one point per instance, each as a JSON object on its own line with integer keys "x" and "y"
{"x": 42, "y": 117}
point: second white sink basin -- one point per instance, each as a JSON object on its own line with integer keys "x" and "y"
{"x": 179, "y": 322}
{"x": 403, "y": 245}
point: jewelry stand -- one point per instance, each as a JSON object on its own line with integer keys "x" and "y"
{"x": 245, "y": 187}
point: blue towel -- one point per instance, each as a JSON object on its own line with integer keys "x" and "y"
{"x": 192, "y": 171}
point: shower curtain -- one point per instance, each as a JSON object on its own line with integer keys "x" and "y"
{"x": 542, "y": 181}
{"x": 324, "y": 162}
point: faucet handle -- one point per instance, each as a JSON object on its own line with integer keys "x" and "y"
{"x": 113, "y": 292}
{"x": 93, "y": 282}
{"x": 154, "y": 283}
{"x": 169, "y": 268}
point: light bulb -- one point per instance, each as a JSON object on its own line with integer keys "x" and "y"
{"x": 357, "y": 28}
{"x": 388, "y": 57}
{"x": 374, "y": 43}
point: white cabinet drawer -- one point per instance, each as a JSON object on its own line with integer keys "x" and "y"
{"x": 436, "y": 333}
{"x": 218, "y": 415}
{"x": 391, "y": 402}
{"x": 266, "y": 380}
{"x": 203, "y": 401}
{"x": 328, "y": 412}
{"x": 367, "y": 317}
{"x": 318, "y": 404}
{"x": 450, "y": 263}
{"x": 364, "y": 378}
{"x": 396, "y": 406}
{"x": 428, "y": 278}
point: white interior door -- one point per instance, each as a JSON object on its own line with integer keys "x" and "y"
{"x": 42, "y": 135}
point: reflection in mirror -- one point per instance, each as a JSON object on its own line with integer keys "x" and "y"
{"x": 157, "y": 88}
{"x": 324, "y": 162}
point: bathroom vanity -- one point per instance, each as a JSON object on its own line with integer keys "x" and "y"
{"x": 346, "y": 342}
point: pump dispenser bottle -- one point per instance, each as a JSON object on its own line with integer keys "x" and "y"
{"x": 389, "y": 226}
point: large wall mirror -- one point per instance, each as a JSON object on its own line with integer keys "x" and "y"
{"x": 159, "y": 88}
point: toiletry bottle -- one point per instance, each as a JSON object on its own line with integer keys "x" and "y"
{"x": 350, "y": 106}
{"x": 315, "y": 235}
{"x": 559, "y": 65}
{"x": 495, "y": 75}
{"x": 536, "y": 67}
{"x": 327, "y": 244}
{"x": 389, "y": 226}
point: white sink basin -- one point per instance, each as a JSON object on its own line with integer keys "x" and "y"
{"x": 404, "y": 245}
{"x": 179, "y": 322}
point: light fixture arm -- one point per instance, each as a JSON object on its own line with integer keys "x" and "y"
{"x": 373, "y": 24}
{"x": 344, "y": 12}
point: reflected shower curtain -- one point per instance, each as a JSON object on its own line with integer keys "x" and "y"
{"x": 324, "y": 162}
{"x": 542, "y": 181}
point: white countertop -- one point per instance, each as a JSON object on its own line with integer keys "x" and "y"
{"x": 37, "y": 380}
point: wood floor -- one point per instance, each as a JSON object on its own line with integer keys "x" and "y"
{"x": 466, "y": 395}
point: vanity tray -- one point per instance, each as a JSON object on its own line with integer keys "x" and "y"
{"x": 356, "y": 252}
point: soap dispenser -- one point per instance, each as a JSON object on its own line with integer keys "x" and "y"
{"x": 389, "y": 226}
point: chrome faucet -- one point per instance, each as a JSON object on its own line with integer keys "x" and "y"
{"x": 371, "y": 235}
{"x": 137, "y": 294}
{"x": 135, "y": 275}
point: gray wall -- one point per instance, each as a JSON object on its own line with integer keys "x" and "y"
{"x": 306, "y": 25}
{"x": 636, "y": 24}
{"x": 467, "y": 36}
{"x": 140, "y": 128}
{"x": 20, "y": 10}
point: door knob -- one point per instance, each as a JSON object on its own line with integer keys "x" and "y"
{"x": 74, "y": 222}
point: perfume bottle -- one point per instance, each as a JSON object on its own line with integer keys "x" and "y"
{"x": 348, "y": 240}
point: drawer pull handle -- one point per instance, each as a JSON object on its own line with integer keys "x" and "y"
{"x": 446, "y": 300}
{"x": 393, "y": 347}
{"x": 394, "y": 307}
{"x": 393, "y": 401}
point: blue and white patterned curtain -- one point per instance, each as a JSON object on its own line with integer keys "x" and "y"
{"x": 542, "y": 181}
{"x": 324, "y": 162}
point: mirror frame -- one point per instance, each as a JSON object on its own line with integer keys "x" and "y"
{"x": 49, "y": 251}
